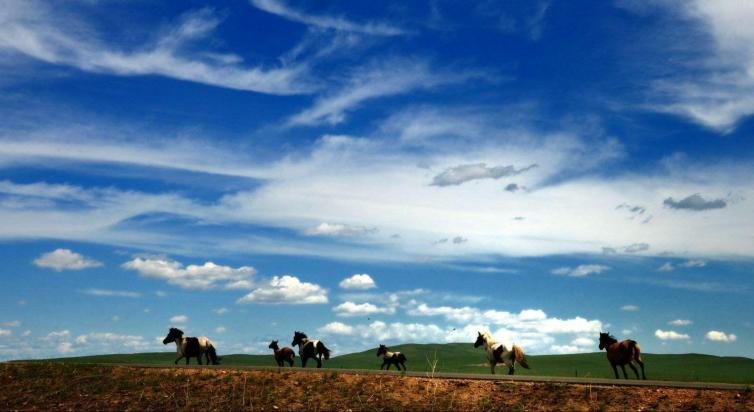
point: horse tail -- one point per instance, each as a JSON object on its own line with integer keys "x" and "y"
{"x": 323, "y": 350}
{"x": 636, "y": 350}
{"x": 213, "y": 355}
{"x": 520, "y": 357}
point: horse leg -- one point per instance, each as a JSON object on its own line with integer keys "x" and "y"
{"x": 615, "y": 369}
{"x": 187, "y": 359}
{"x": 177, "y": 359}
{"x": 303, "y": 361}
{"x": 633, "y": 368}
{"x": 511, "y": 369}
{"x": 383, "y": 365}
{"x": 404, "y": 366}
{"x": 641, "y": 364}
{"x": 319, "y": 361}
{"x": 623, "y": 367}
{"x": 199, "y": 359}
{"x": 492, "y": 368}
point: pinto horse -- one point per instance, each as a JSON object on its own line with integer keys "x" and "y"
{"x": 499, "y": 353}
{"x": 391, "y": 358}
{"x": 310, "y": 349}
{"x": 188, "y": 347}
{"x": 622, "y": 353}
{"x": 282, "y": 355}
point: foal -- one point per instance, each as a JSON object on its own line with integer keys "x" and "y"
{"x": 282, "y": 355}
{"x": 391, "y": 358}
{"x": 499, "y": 353}
{"x": 622, "y": 353}
{"x": 310, "y": 349}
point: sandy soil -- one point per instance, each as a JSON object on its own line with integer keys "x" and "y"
{"x": 77, "y": 387}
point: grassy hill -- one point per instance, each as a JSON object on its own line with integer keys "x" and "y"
{"x": 463, "y": 357}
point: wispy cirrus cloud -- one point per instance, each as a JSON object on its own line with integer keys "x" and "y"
{"x": 34, "y": 29}
{"x": 280, "y": 8}
{"x": 387, "y": 78}
{"x": 581, "y": 270}
{"x": 112, "y": 293}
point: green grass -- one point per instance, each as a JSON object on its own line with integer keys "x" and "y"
{"x": 463, "y": 357}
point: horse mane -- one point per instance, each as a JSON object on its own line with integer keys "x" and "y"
{"x": 301, "y": 334}
{"x": 487, "y": 337}
{"x": 177, "y": 330}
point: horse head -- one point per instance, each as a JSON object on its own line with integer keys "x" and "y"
{"x": 606, "y": 339}
{"x": 173, "y": 334}
{"x": 298, "y": 337}
{"x": 479, "y": 340}
{"x": 273, "y": 345}
{"x": 381, "y": 350}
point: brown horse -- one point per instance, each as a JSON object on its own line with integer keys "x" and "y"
{"x": 282, "y": 355}
{"x": 391, "y": 358}
{"x": 622, "y": 353}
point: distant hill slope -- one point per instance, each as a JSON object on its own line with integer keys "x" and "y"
{"x": 463, "y": 357}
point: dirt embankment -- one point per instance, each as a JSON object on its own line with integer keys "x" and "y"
{"x": 77, "y": 387}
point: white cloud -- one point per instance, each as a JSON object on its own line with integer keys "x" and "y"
{"x": 336, "y": 328}
{"x": 358, "y": 281}
{"x": 112, "y": 293}
{"x": 56, "y": 36}
{"x": 581, "y": 270}
{"x": 65, "y": 259}
{"x": 670, "y": 335}
{"x": 717, "y": 336}
{"x": 65, "y": 347}
{"x": 348, "y": 309}
{"x": 207, "y": 276}
{"x": 221, "y": 311}
{"x": 680, "y": 322}
{"x": 109, "y": 341}
{"x": 286, "y": 290}
{"x": 220, "y": 329}
{"x": 11, "y": 324}
{"x": 629, "y": 308}
{"x": 387, "y": 78}
{"x": 5, "y": 332}
{"x": 338, "y": 229}
{"x": 26, "y": 333}
{"x": 666, "y": 267}
{"x": 279, "y": 8}
{"x": 694, "y": 263}
{"x": 179, "y": 319}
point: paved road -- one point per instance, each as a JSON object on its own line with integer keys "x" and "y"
{"x": 473, "y": 376}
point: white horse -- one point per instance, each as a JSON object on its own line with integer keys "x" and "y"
{"x": 185, "y": 347}
{"x": 499, "y": 353}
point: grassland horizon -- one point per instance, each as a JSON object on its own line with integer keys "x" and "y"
{"x": 463, "y": 358}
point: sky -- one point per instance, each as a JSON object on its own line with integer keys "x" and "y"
{"x": 376, "y": 173}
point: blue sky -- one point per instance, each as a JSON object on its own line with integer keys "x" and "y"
{"x": 376, "y": 173}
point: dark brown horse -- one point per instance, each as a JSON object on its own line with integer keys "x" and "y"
{"x": 622, "y": 353}
{"x": 391, "y": 358}
{"x": 282, "y": 355}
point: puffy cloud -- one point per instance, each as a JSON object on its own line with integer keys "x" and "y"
{"x": 220, "y": 329}
{"x": 206, "y": 276}
{"x": 179, "y": 319}
{"x": 629, "y": 308}
{"x": 221, "y": 311}
{"x": 112, "y": 293}
{"x": 680, "y": 322}
{"x": 338, "y": 229}
{"x": 11, "y": 324}
{"x": 358, "y": 281}
{"x": 695, "y": 203}
{"x": 360, "y": 309}
{"x": 286, "y": 290}
{"x": 336, "y": 328}
{"x": 717, "y": 336}
{"x": 65, "y": 259}
{"x": 581, "y": 270}
{"x": 670, "y": 335}
{"x": 5, "y": 332}
{"x": 457, "y": 175}
{"x": 65, "y": 347}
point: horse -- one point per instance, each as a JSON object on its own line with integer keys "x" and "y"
{"x": 189, "y": 347}
{"x": 622, "y": 353}
{"x": 499, "y": 353}
{"x": 391, "y": 358}
{"x": 310, "y": 349}
{"x": 282, "y": 355}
